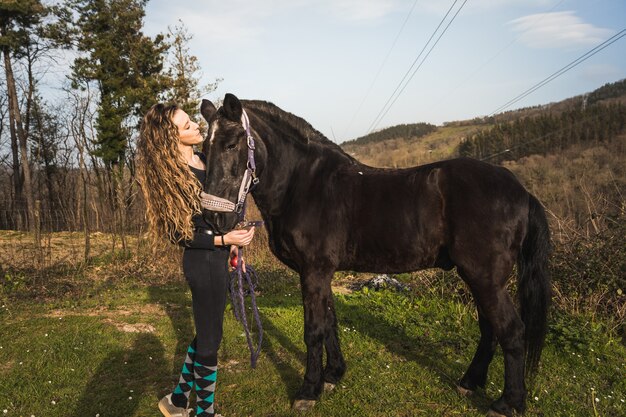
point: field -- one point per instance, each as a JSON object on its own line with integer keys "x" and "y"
{"x": 106, "y": 338}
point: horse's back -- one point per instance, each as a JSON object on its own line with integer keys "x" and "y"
{"x": 415, "y": 218}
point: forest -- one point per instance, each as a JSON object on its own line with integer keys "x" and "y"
{"x": 546, "y": 132}
{"x": 67, "y": 159}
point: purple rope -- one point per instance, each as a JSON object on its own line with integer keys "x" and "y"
{"x": 239, "y": 305}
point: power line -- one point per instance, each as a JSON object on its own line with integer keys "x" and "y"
{"x": 411, "y": 67}
{"x": 563, "y": 70}
{"x": 385, "y": 109}
{"x": 497, "y": 54}
{"x": 421, "y": 63}
{"x": 381, "y": 66}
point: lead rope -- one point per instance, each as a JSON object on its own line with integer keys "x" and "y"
{"x": 239, "y": 307}
{"x": 251, "y": 279}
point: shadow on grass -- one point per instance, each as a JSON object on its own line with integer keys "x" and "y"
{"x": 421, "y": 350}
{"x": 274, "y": 341}
{"x": 123, "y": 378}
{"x": 178, "y": 309}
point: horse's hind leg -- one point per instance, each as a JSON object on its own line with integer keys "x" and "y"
{"x": 499, "y": 311}
{"x": 476, "y": 374}
{"x": 335, "y": 364}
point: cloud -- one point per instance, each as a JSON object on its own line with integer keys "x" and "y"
{"x": 360, "y": 10}
{"x": 558, "y": 30}
{"x": 440, "y": 7}
{"x": 240, "y": 22}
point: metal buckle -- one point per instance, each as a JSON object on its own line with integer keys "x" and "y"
{"x": 250, "y": 140}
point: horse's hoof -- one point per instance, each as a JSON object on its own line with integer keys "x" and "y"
{"x": 303, "y": 405}
{"x": 492, "y": 413}
{"x": 329, "y": 386}
{"x": 464, "y": 391}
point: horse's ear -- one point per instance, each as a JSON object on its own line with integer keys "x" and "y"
{"x": 207, "y": 109}
{"x": 232, "y": 107}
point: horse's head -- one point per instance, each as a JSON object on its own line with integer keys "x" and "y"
{"x": 229, "y": 148}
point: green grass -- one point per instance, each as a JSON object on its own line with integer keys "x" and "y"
{"x": 404, "y": 355}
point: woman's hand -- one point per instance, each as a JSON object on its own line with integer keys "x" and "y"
{"x": 241, "y": 237}
{"x": 234, "y": 253}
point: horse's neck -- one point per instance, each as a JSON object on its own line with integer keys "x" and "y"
{"x": 293, "y": 152}
{"x": 283, "y": 159}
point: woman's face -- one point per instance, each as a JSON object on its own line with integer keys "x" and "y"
{"x": 188, "y": 131}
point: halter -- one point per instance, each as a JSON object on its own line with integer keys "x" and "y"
{"x": 219, "y": 204}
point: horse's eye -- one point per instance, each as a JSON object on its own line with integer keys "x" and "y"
{"x": 231, "y": 147}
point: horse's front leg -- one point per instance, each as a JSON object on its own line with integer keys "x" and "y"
{"x": 318, "y": 309}
{"x": 335, "y": 364}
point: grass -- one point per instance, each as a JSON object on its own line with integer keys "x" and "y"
{"x": 115, "y": 350}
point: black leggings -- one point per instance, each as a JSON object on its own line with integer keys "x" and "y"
{"x": 206, "y": 272}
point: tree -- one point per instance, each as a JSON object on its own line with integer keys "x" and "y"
{"x": 20, "y": 26}
{"x": 126, "y": 66}
{"x": 183, "y": 72}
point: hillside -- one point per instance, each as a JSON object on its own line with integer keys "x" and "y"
{"x": 402, "y": 152}
{"x": 378, "y": 149}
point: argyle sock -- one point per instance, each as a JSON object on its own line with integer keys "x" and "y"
{"x": 180, "y": 396}
{"x": 205, "y": 378}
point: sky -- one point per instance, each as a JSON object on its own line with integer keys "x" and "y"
{"x": 336, "y": 63}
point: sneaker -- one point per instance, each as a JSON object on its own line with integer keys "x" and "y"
{"x": 170, "y": 410}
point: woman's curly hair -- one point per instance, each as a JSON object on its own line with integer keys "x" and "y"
{"x": 170, "y": 189}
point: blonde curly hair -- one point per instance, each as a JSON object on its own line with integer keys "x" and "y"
{"x": 171, "y": 191}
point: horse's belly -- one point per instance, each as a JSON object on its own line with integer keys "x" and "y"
{"x": 393, "y": 260}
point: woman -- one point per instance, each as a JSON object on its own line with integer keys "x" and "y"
{"x": 170, "y": 174}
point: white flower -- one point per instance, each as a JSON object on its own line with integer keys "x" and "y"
{"x": 536, "y": 398}
{"x": 130, "y": 398}
{"x": 5, "y": 411}
{"x": 53, "y": 402}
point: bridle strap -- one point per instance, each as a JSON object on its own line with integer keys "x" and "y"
{"x": 219, "y": 204}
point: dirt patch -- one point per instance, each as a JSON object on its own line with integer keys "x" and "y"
{"x": 144, "y": 309}
{"x": 6, "y": 367}
{"x": 131, "y": 328}
{"x": 341, "y": 289}
{"x": 112, "y": 317}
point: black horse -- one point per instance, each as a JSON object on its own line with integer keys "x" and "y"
{"x": 324, "y": 211}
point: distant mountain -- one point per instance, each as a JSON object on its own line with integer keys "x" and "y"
{"x": 414, "y": 130}
{"x": 591, "y": 117}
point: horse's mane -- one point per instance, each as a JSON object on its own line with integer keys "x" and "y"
{"x": 307, "y": 133}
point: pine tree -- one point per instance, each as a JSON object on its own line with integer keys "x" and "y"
{"x": 126, "y": 66}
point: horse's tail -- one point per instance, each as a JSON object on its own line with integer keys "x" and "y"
{"x": 534, "y": 288}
